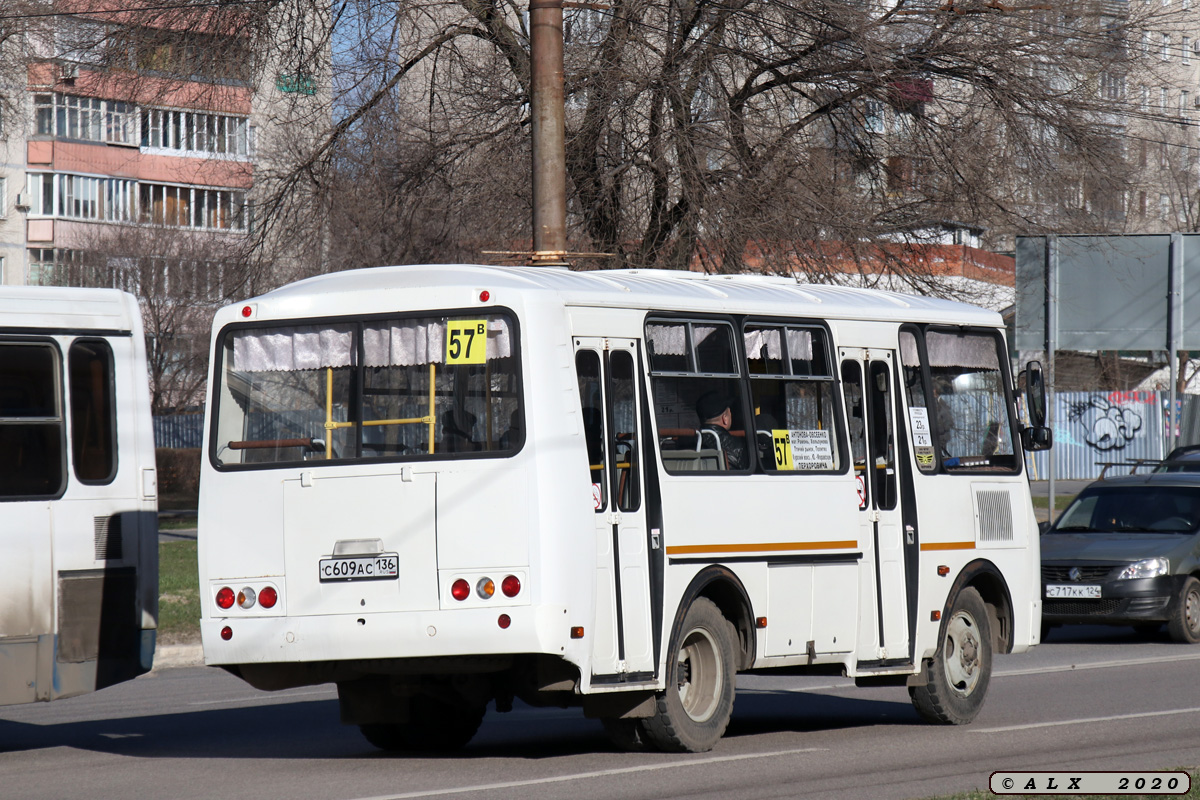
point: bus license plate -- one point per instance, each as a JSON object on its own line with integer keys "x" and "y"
{"x": 1060, "y": 590}
{"x": 384, "y": 566}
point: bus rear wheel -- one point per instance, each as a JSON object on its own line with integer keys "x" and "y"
{"x": 691, "y": 714}
{"x": 955, "y": 681}
{"x": 433, "y": 725}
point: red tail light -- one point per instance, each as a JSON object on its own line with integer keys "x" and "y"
{"x": 225, "y": 597}
{"x": 504, "y": 621}
{"x": 460, "y": 590}
{"x": 268, "y": 597}
{"x": 511, "y": 586}
{"x": 227, "y": 633}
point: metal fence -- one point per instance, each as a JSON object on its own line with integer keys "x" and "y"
{"x": 179, "y": 430}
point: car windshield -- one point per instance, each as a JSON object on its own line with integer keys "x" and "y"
{"x": 1136, "y": 509}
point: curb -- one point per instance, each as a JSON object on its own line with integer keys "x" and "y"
{"x": 170, "y": 656}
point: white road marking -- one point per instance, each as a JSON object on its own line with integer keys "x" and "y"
{"x": 1113, "y": 718}
{"x": 1101, "y": 664}
{"x": 259, "y": 698}
{"x": 603, "y": 773}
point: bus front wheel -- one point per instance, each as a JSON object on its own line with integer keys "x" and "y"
{"x": 954, "y": 682}
{"x": 691, "y": 714}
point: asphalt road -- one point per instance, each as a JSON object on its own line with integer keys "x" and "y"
{"x": 1092, "y": 698}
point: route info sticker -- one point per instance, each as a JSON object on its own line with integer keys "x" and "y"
{"x": 918, "y": 417}
{"x": 802, "y": 449}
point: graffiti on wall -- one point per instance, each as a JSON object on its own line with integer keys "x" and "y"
{"x": 1106, "y": 423}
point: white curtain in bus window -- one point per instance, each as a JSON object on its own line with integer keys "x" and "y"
{"x": 31, "y": 425}
{"x": 413, "y": 343}
{"x": 970, "y": 406}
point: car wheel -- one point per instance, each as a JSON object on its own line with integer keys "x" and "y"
{"x": 1184, "y": 624}
{"x": 956, "y": 678}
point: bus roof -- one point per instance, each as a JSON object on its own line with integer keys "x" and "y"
{"x": 383, "y": 289}
{"x": 62, "y": 309}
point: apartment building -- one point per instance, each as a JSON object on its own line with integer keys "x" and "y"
{"x": 135, "y": 134}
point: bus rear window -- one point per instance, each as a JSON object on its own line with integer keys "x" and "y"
{"x": 396, "y": 389}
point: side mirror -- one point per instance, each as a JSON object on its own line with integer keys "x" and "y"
{"x": 1037, "y": 437}
{"x": 1035, "y": 393}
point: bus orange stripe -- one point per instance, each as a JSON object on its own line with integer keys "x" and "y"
{"x": 761, "y": 547}
{"x": 947, "y": 546}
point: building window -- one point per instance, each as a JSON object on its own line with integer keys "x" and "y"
{"x": 1112, "y": 87}
{"x": 87, "y": 118}
{"x": 1184, "y": 99}
{"x": 1163, "y": 100}
{"x": 196, "y": 132}
{"x": 3, "y": 205}
{"x": 1166, "y": 47}
{"x": 1145, "y": 98}
{"x": 1186, "y": 46}
{"x": 188, "y": 207}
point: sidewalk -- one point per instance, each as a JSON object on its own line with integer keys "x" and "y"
{"x": 169, "y": 656}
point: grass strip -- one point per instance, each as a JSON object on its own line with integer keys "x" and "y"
{"x": 178, "y": 593}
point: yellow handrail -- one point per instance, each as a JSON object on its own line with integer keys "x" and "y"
{"x": 330, "y": 425}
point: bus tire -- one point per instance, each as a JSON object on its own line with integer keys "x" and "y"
{"x": 691, "y": 714}
{"x": 434, "y": 726}
{"x": 955, "y": 681}
{"x": 1184, "y": 624}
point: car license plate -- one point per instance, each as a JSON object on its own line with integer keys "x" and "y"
{"x": 383, "y": 566}
{"x": 1069, "y": 590}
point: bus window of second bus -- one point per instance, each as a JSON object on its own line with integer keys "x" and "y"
{"x": 31, "y": 425}
{"x": 93, "y": 421}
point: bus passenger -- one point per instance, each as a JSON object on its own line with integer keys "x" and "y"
{"x": 716, "y": 416}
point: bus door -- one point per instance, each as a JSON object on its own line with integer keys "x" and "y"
{"x": 609, "y": 392}
{"x": 867, "y": 380}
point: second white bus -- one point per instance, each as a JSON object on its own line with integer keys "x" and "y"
{"x": 442, "y": 487}
{"x": 78, "y": 489}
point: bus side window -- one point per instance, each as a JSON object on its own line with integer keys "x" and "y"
{"x": 31, "y": 424}
{"x": 691, "y": 360}
{"x": 623, "y": 386}
{"x": 794, "y": 397}
{"x": 591, "y": 401}
{"x": 93, "y": 419}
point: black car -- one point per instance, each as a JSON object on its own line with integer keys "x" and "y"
{"x": 1127, "y": 552}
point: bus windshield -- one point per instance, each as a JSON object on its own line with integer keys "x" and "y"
{"x": 396, "y": 389}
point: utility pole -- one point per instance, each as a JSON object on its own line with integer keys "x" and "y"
{"x": 548, "y": 137}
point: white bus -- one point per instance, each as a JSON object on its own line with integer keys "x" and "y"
{"x": 78, "y": 521}
{"x": 441, "y": 487}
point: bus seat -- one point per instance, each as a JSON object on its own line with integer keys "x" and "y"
{"x": 692, "y": 460}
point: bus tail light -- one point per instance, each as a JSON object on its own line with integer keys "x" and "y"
{"x": 225, "y": 597}
{"x": 486, "y": 588}
{"x": 461, "y": 590}
{"x": 268, "y": 597}
{"x": 227, "y": 633}
{"x": 246, "y": 598}
{"x": 511, "y": 586}
{"x": 504, "y": 621}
